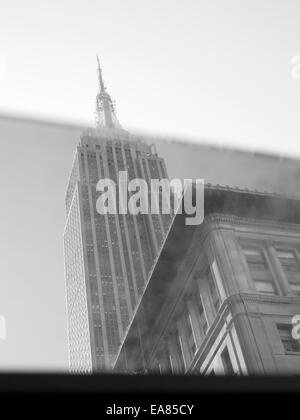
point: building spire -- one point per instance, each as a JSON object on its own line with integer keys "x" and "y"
{"x": 105, "y": 107}
{"x": 101, "y": 84}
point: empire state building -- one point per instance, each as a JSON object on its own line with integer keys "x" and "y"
{"x": 107, "y": 257}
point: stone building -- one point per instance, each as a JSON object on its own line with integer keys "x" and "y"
{"x": 222, "y": 295}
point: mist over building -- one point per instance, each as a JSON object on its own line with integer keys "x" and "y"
{"x": 222, "y": 296}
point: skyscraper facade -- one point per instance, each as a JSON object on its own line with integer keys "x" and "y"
{"x": 107, "y": 256}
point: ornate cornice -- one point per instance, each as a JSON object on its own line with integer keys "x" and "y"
{"x": 260, "y": 298}
{"x": 245, "y": 190}
{"x": 216, "y": 218}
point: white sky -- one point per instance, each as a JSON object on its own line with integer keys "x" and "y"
{"x": 211, "y": 69}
